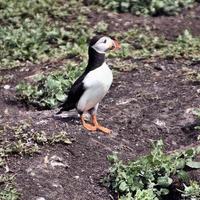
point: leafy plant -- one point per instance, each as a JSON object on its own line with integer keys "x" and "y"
{"x": 151, "y": 176}
{"x": 192, "y": 191}
{"x": 47, "y": 91}
{"x": 146, "y": 7}
{"x": 8, "y": 192}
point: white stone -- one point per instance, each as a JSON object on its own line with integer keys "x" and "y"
{"x": 6, "y": 87}
{"x": 40, "y": 198}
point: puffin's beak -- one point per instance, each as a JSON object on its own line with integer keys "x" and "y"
{"x": 116, "y": 45}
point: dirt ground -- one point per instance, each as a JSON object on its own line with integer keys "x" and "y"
{"x": 151, "y": 102}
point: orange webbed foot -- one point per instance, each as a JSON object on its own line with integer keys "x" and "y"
{"x": 87, "y": 126}
{"x": 103, "y": 129}
{"x": 99, "y": 127}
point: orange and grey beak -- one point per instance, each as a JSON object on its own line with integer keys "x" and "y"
{"x": 115, "y": 45}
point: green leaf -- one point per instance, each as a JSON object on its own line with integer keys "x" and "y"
{"x": 60, "y": 96}
{"x": 183, "y": 175}
{"x": 123, "y": 186}
{"x": 164, "y": 191}
{"x": 112, "y": 158}
{"x": 164, "y": 181}
{"x": 193, "y": 164}
{"x": 180, "y": 164}
{"x": 190, "y": 153}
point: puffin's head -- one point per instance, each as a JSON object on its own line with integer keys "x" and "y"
{"x": 101, "y": 44}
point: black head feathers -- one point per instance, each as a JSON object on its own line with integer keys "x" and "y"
{"x": 95, "y": 39}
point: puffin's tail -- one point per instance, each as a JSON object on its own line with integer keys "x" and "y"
{"x": 65, "y": 107}
{"x": 60, "y": 111}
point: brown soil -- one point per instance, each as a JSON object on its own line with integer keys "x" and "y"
{"x": 151, "y": 102}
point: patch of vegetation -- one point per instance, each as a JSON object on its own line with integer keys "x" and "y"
{"x": 23, "y": 140}
{"x": 6, "y": 78}
{"x": 192, "y": 75}
{"x": 146, "y": 7}
{"x": 7, "y": 191}
{"x": 137, "y": 44}
{"x": 48, "y": 90}
{"x": 151, "y": 176}
{"x": 36, "y": 31}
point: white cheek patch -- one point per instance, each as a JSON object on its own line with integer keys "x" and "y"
{"x": 100, "y": 47}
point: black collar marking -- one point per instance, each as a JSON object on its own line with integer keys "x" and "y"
{"x": 95, "y": 59}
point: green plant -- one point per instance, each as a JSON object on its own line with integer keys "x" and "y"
{"x": 146, "y": 7}
{"x": 151, "y": 176}
{"x": 47, "y": 91}
{"x": 60, "y": 138}
{"x": 191, "y": 192}
{"x": 8, "y": 192}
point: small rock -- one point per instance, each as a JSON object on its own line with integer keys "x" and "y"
{"x": 76, "y": 177}
{"x": 6, "y": 87}
{"x": 40, "y": 198}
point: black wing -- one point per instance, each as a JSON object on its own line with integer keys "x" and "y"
{"x": 74, "y": 95}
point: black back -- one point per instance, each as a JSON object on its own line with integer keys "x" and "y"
{"x": 95, "y": 60}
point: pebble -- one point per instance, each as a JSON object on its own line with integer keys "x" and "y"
{"x": 6, "y": 87}
{"x": 40, "y": 198}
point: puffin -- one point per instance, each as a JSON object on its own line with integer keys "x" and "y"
{"x": 90, "y": 88}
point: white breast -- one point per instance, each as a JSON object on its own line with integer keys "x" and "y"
{"x": 97, "y": 83}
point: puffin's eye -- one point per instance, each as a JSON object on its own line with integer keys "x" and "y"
{"x": 105, "y": 41}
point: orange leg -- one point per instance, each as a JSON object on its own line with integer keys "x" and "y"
{"x": 87, "y": 126}
{"x": 99, "y": 127}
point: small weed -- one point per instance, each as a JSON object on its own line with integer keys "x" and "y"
{"x": 6, "y": 78}
{"x": 48, "y": 91}
{"x": 151, "y": 176}
{"x": 60, "y": 138}
{"x": 192, "y": 191}
{"x": 192, "y": 75}
{"x": 8, "y": 192}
